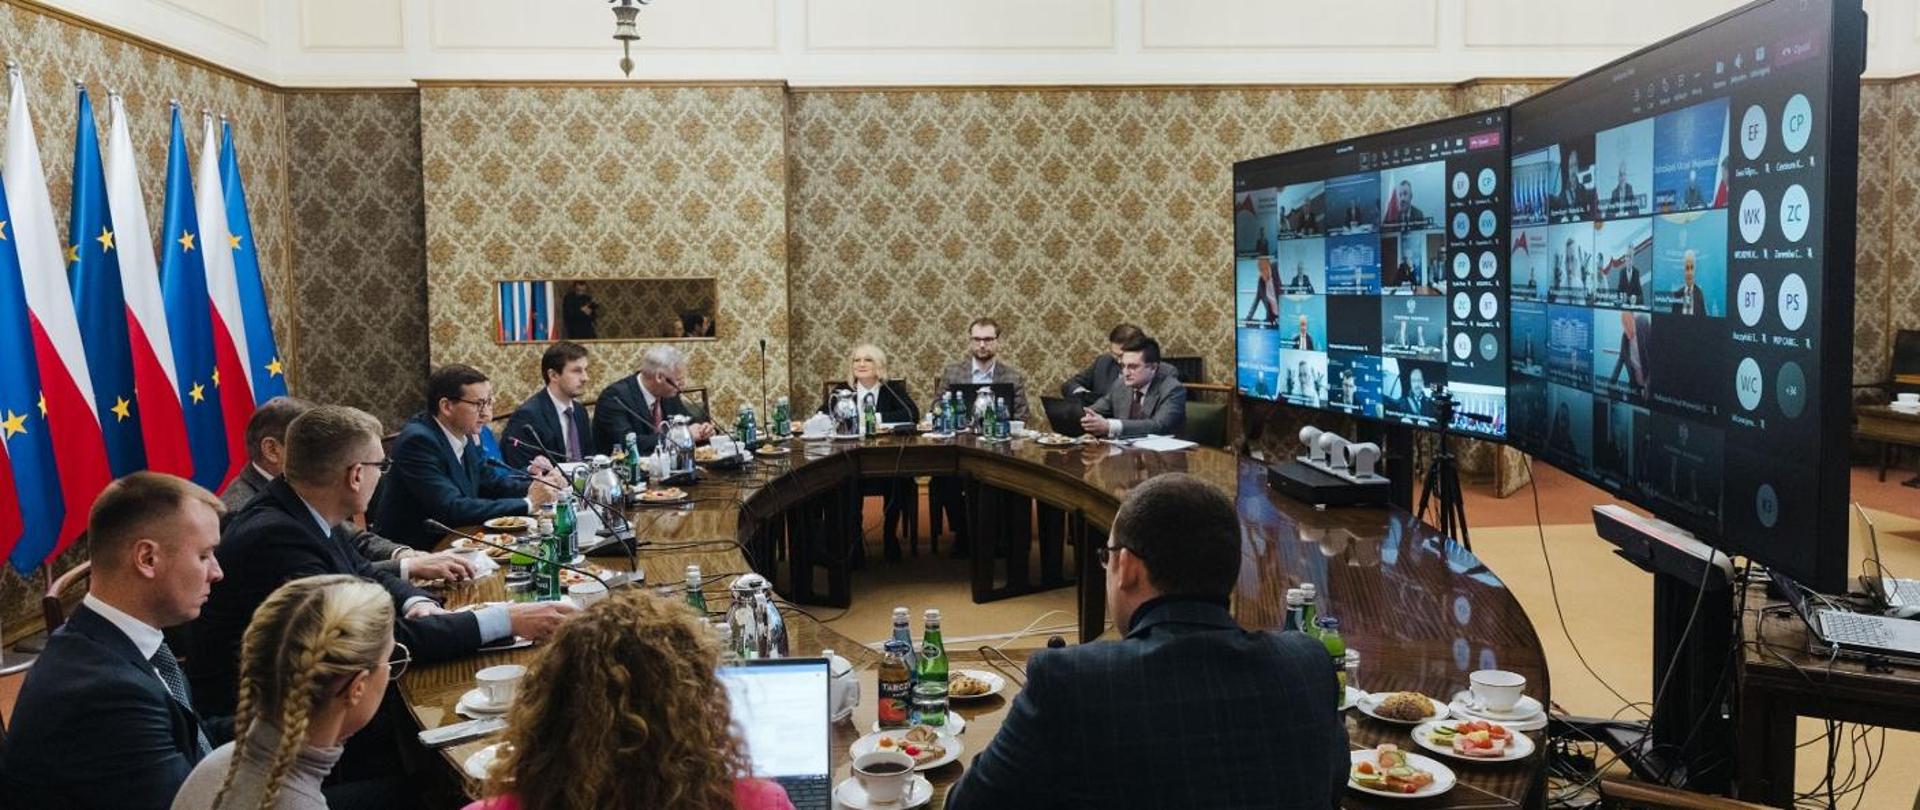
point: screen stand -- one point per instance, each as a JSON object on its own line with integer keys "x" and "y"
{"x": 1443, "y": 479}
{"x": 1692, "y": 727}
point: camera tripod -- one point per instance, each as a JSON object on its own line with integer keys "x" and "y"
{"x": 1443, "y": 479}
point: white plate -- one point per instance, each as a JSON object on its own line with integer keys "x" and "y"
{"x": 1352, "y": 698}
{"x": 475, "y": 701}
{"x": 851, "y": 795}
{"x": 481, "y": 761}
{"x": 1523, "y": 710}
{"x": 1372, "y": 701}
{"x": 956, "y": 724}
{"x": 995, "y": 683}
{"x": 871, "y": 742}
{"x": 1443, "y": 777}
{"x": 1519, "y": 746}
{"x": 511, "y": 524}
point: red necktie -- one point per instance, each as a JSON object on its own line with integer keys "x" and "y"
{"x": 656, "y": 416}
{"x": 1139, "y": 398}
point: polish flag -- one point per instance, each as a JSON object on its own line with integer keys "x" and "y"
{"x": 156, "y": 383}
{"x": 66, "y": 387}
{"x": 223, "y": 287}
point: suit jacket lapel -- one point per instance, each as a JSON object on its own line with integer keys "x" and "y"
{"x": 94, "y": 626}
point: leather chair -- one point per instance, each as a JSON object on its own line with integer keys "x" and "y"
{"x": 1206, "y": 424}
{"x": 63, "y": 593}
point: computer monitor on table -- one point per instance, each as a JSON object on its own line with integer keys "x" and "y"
{"x": 783, "y": 709}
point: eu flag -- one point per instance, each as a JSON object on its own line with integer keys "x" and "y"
{"x": 94, "y": 271}
{"x": 269, "y": 368}
{"x": 183, "y": 282}
{"x": 30, "y": 479}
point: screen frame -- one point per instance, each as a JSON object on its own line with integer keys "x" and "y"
{"x": 1331, "y": 149}
{"x": 1845, "y": 63}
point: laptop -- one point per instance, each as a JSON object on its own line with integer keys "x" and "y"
{"x": 1852, "y": 632}
{"x": 782, "y": 708}
{"x": 1064, "y": 415}
{"x": 1891, "y": 591}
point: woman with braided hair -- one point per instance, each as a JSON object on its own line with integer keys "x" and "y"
{"x": 314, "y": 663}
{"x": 624, "y": 708}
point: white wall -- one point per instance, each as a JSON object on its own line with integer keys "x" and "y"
{"x": 860, "y": 42}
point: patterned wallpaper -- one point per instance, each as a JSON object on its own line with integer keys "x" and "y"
{"x": 360, "y": 246}
{"x": 1899, "y": 205}
{"x": 55, "y": 53}
{"x": 619, "y": 181}
{"x": 631, "y": 308}
{"x": 1874, "y": 266}
{"x": 1059, "y": 212}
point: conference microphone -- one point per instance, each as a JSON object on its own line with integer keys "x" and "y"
{"x": 445, "y": 529}
{"x": 617, "y": 527}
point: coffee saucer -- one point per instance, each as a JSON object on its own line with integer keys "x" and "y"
{"x": 850, "y": 794}
{"x": 1526, "y": 708}
{"x": 475, "y": 702}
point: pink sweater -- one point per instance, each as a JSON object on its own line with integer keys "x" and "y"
{"x": 748, "y": 794}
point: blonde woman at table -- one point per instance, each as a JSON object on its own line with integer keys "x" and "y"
{"x": 314, "y": 664}
{"x": 624, "y": 708}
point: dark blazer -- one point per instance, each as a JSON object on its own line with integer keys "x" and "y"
{"x": 538, "y": 413}
{"x": 1101, "y": 376}
{"x": 95, "y": 726}
{"x": 1188, "y": 711}
{"x": 383, "y": 553}
{"x": 894, "y": 403}
{"x": 622, "y": 409}
{"x": 273, "y": 540}
{"x": 1164, "y": 408}
{"x": 428, "y": 482}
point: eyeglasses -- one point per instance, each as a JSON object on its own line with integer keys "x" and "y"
{"x": 482, "y": 404}
{"x": 1105, "y": 553}
{"x": 385, "y": 465}
{"x": 397, "y": 665}
{"x": 978, "y": 339}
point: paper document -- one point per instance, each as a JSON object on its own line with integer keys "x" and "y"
{"x": 1162, "y": 444}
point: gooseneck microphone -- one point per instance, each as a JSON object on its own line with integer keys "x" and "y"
{"x": 617, "y": 527}
{"x": 443, "y": 528}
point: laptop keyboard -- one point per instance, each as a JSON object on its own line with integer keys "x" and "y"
{"x": 808, "y": 792}
{"x": 1901, "y": 592}
{"x": 1853, "y": 628}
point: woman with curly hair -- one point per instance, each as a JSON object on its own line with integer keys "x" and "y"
{"x": 624, "y": 708}
{"x": 314, "y": 664}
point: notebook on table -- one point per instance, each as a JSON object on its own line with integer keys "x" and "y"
{"x": 783, "y": 709}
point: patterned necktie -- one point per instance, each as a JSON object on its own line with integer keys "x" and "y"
{"x": 657, "y": 416}
{"x": 176, "y": 681}
{"x": 1138, "y": 409}
{"x": 573, "y": 435}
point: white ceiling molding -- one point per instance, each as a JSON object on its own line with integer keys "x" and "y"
{"x": 375, "y": 43}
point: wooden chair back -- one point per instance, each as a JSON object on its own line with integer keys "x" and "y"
{"x": 63, "y": 593}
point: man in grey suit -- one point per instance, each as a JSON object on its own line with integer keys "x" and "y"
{"x": 1146, "y": 401}
{"x": 983, "y": 365}
{"x": 1103, "y": 374}
{"x": 1188, "y": 710}
{"x": 267, "y": 455}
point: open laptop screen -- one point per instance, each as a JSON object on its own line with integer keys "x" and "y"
{"x": 780, "y": 707}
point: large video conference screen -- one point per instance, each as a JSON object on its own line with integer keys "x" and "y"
{"x": 1369, "y": 273}
{"x": 1681, "y": 264}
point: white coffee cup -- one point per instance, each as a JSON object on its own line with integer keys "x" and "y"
{"x": 498, "y": 684}
{"x": 1907, "y": 399}
{"x": 1016, "y": 427}
{"x": 1497, "y": 690}
{"x": 883, "y": 788}
{"x": 584, "y": 594}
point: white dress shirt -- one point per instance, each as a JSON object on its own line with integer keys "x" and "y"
{"x": 459, "y": 444}
{"x": 983, "y": 375}
{"x": 145, "y": 637}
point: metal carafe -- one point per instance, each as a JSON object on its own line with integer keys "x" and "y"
{"x": 846, "y": 413}
{"x": 680, "y": 445}
{"x": 758, "y": 631}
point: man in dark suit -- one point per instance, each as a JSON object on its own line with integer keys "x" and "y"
{"x": 579, "y": 314}
{"x": 267, "y": 449}
{"x": 292, "y": 530}
{"x": 105, "y": 718}
{"x": 1689, "y": 299}
{"x": 645, "y": 403}
{"x": 1416, "y": 401}
{"x": 440, "y": 472}
{"x": 553, "y": 418}
{"x": 1103, "y": 374}
{"x": 1145, "y": 402}
{"x": 1189, "y": 710}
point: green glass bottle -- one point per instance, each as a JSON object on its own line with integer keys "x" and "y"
{"x": 696, "y": 597}
{"x": 1337, "y": 650}
{"x": 930, "y": 675}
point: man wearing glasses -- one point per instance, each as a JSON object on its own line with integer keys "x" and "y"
{"x": 983, "y": 365}
{"x": 645, "y": 403}
{"x": 439, "y": 471}
{"x": 1188, "y": 709}
{"x": 293, "y": 530}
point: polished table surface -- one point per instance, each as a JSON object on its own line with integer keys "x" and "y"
{"x": 1422, "y": 611}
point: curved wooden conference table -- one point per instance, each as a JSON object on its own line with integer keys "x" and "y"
{"x": 1422, "y": 611}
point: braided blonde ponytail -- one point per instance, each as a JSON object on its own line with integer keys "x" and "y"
{"x": 306, "y": 639}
